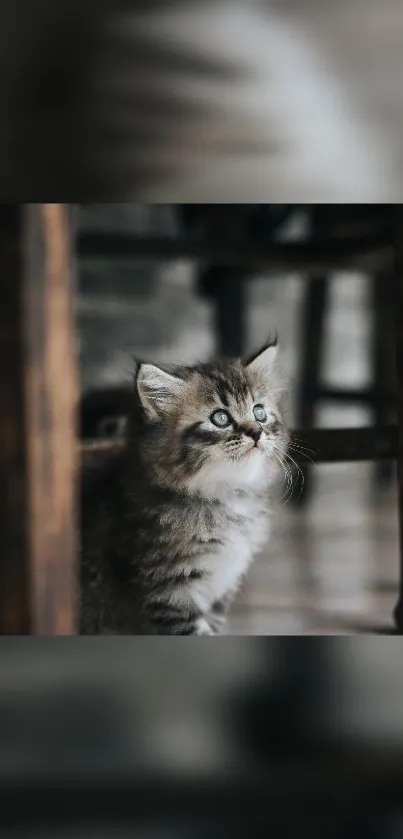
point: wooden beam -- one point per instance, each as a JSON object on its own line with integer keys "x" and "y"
{"x": 38, "y": 450}
{"x": 317, "y": 256}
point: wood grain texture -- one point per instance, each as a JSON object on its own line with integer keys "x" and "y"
{"x": 38, "y": 440}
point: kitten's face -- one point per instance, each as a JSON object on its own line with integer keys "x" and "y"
{"x": 214, "y": 427}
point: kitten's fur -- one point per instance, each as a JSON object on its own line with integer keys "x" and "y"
{"x": 171, "y": 521}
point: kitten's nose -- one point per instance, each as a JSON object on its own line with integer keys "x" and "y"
{"x": 253, "y": 431}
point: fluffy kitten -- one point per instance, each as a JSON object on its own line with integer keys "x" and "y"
{"x": 171, "y": 522}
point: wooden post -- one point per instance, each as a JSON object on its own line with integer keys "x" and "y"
{"x": 398, "y": 282}
{"x": 38, "y": 400}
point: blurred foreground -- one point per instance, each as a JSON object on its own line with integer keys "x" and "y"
{"x": 202, "y": 101}
{"x": 158, "y": 738}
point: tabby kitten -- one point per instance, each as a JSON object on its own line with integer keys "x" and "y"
{"x": 172, "y": 520}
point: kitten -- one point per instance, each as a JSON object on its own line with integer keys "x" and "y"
{"x": 171, "y": 521}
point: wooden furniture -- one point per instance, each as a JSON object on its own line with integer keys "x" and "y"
{"x": 38, "y": 443}
{"x": 226, "y": 288}
{"x": 381, "y": 395}
{"x": 38, "y": 398}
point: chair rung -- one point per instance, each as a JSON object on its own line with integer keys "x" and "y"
{"x": 317, "y": 256}
{"x": 346, "y": 444}
{"x": 365, "y": 395}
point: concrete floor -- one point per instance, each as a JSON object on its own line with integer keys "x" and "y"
{"x": 331, "y": 568}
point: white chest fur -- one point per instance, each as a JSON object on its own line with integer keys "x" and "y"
{"x": 245, "y": 530}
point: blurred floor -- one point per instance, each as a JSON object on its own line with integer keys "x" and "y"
{"x": 333, "y": 567}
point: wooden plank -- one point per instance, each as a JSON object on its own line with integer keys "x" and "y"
{"x": 320, "y": 445}
{"x": 316, "y": 256}
{"x": 38, "y": 440}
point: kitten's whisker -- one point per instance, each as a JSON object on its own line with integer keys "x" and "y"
{"x": 289, "y": 487}
{"x": 287, "y": 474}
{"x": 285, "y": 477}
{"x": 283, "y": 467}
{"x": 299, "y": 470}
{"x": 306, "y": 452}
{"x": 303, "y": 445}
{"x": 296, "y": 448}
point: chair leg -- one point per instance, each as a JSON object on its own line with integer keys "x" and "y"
{"x": 231, "y": 315}
{"x": 226, "y": 287}
{"x": 313, "y": 336}
{"x": 398, "y": 283}
{"x": 382, "y": 363}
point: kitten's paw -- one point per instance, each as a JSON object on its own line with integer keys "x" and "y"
{"x": 203, "y": 627}
{"x": 217, "y": 624}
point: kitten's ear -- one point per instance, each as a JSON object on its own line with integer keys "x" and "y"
{"x": 263, "y": 361}
{"x": 158, "y": 390}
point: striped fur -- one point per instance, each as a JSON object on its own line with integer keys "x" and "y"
{"x": 171, "y": 523}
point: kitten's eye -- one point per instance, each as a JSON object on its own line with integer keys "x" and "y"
{"x": 221, "y": 419}
{"x": 259, "y": 413}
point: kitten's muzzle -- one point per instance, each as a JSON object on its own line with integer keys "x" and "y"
{"x": 254, "y": 432}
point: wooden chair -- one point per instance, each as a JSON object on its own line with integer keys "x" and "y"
{"x": 226, "y": 288}
{"x": 39, "y": 448}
